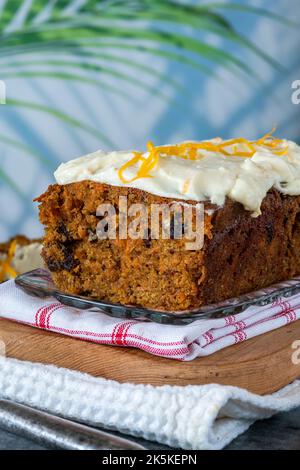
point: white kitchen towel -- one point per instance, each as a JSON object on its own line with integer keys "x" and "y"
{"x": 191, "y": 417}
{"x": 184, "y": 342}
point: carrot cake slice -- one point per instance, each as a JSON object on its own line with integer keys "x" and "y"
{"x": 249, "y": 194}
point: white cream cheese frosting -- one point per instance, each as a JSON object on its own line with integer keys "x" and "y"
{"x": 213, "y": 176}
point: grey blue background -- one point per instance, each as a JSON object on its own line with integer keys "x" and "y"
{"x": 229, "y": 104}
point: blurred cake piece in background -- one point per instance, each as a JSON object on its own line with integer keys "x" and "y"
{"x": 19, "y": 255}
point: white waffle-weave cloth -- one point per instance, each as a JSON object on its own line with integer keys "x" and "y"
{"x": 190, "y": 417}
{"x": 181, "y": 342}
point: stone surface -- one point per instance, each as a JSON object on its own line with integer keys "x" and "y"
{"x": 10, "y": 441}
{"x": 280, "y": 432}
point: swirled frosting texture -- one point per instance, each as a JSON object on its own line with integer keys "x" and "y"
{"x": 212, "y": 176}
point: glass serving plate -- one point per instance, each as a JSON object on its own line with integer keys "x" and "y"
{"x": 40, "y": 284}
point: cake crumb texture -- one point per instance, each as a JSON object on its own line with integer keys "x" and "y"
{"x": 240, "y": 253}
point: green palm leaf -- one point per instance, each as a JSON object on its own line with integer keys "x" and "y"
{"x": 86, "y": 66}
{"x": 75, "y": 77}
{"x": 93, "y": 30}
{"x": 7, "y": 179}
{"x": 61, "y": 116}
{"x": 78, "y": 50}
{"x": 157, "y": 11}
{"x": 26, "y": 148}
{"x": 90, "y": 30}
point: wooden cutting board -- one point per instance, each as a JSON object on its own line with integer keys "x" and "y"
{"x": 262, "y": 365}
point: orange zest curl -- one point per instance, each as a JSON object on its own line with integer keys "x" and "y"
{"x": 137, "y": 157}
{"x": 250, "y": 150}
{"x": 6, "y": 271}
{"x": 192, "y": 151}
